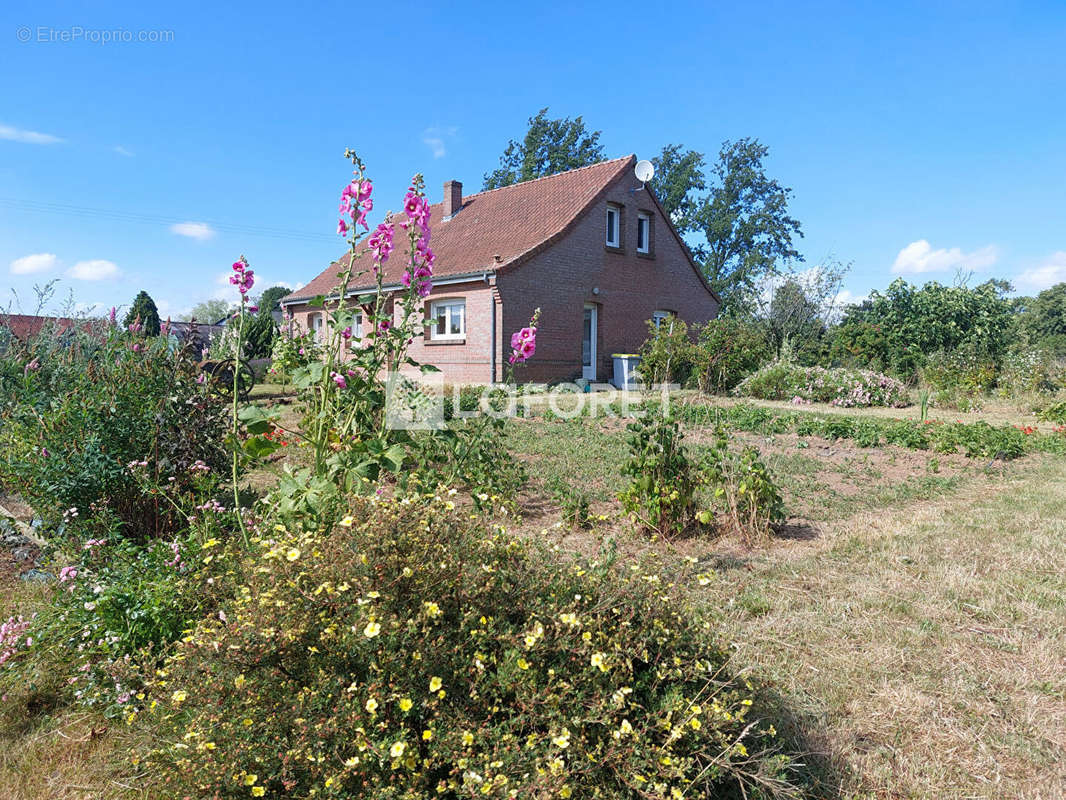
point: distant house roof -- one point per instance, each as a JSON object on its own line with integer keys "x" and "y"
{"x": 25, "y": 326}
{"x": 493, "y": 230}
{"x": 203, "y": 329}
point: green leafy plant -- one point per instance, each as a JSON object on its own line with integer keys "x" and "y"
{"x": 743, "y": 488}
{"x": 663, "y": 477}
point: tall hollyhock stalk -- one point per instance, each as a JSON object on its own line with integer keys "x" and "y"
{"x": 346, "y": 401}
{"x": 243, "y": 278}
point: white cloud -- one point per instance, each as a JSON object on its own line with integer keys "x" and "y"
{"x": 94, "y": 270}
{"x": 1051, "y": 272}
{"x": 36, "y": 262}
{"x": 200, "y": 231}
{"x": 845, "y": 297}
{"x": 433, "y": 137}
{"x": 122, "y": 151}
{"x": 919, "y": 256}
{"x": 27, "y": 137}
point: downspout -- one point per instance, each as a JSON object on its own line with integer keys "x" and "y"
{"x": 492, "y": 342}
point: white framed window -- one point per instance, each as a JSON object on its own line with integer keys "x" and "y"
{"x": 643, "y": 233}
{"x": 614, "y": 226}
{"x": 447, "y": 320}
{"x": 659, "y": 317}
{"x": 318, "y": 324}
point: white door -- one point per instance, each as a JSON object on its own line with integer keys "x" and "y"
{"x": 588, "y": 344}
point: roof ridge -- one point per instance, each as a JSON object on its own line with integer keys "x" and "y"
{"x": 546, "y": 177}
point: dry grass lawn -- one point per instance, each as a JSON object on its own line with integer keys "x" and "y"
{"x": 928, "y": 642}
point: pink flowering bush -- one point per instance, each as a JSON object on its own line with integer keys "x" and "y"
{"x": 410, "y": 652}
{"x": 847, "y": 388}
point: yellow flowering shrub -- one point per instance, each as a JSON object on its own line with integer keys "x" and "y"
{"x": 421, "y": 652}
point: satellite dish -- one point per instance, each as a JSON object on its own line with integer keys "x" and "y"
{"x": 644, "y": 170}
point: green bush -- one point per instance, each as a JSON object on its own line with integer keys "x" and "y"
{"x": 416, "y": 654}
{"x": 726, "y": 351}
{"x": 1056, "y": 412}
{"x": 668, "y": 354}
{"x": 128, "y": 400}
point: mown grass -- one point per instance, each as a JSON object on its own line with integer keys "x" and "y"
{"x": 927, "y": 642}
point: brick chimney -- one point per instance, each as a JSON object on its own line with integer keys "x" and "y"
{"x": 453, "y": 198}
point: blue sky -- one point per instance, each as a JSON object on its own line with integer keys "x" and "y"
{"x": 918, "y": 137}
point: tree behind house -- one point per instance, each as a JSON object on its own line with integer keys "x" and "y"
{"x": 550, "y": 146}
{"x": 144, "y": 308}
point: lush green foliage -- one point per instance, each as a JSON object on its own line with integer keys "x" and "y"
{"x": 70, "y": 443}
{"x": 257, "y": 336}
{"x": 726, "y": 351}
{"x": 270, "y": 300}
{"x": 745, "y": 225}
{"x": 144, "y": 311}
{"x": 841, "y": 387}
{"x": 418, "y": 654}
{"x": 1056, "y": 412}
{"x": 667, "y": 355}
{"x": 549, "y": 146}
{"x": 663, "y": 477}
{"x": 211, "y": 311}
{"x": 743, "y": 488}
{"x": 1042, "y": 320}
{"x": 899, "y": 330}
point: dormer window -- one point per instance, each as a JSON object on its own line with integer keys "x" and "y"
{"x": 643, "y": 233}
{"x": 614, "y": 226}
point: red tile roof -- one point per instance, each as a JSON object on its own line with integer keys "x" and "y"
{"x": 26, "y": 326}
{"x": 494, "y": 229}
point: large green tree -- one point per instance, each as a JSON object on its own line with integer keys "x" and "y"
{"x": 677, "y": 182}
{"x": 269, "y": 300}
{"x": 549, "y": 146}
{"x": 144, "y": 309}
{"x": 746, "y": 229}
{"x": 210, "y": 311}
{"x": 1042, "y": 319}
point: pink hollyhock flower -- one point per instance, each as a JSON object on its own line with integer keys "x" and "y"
{"x": 342, "y": 227}
{"x": 339, "y": 380}
{"x": 347, "y": 333}
{"x": 384, "y": 325}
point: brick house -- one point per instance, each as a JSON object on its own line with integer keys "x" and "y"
{"x": 592, "y": 248}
